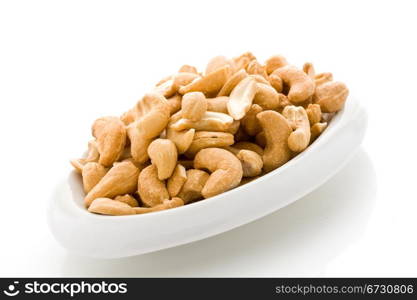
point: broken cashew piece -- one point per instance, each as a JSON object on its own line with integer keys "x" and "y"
{"x": 209, "y": 139}
{"x": 128, "y": 199}
{"x": 191, "y": 190}
{"x": 163, "y": 154}
{"x": 241, "y": 98}
{"x": 181, "y": 139}
{"x": 232, "y": 82}
{"x": 110, "y": 133}
{"x": 314, "y": 113}
{"x": 194, "y": 106}
{"x": 277, "y": 130}
{"x": 300, "y": 137}
{"x": 226, "y": 170}
{"x": 218, "y": 104}
{"x": 300, "y": 84}
{"x": 121, "y": 179}
{"x": 166, "y": 204}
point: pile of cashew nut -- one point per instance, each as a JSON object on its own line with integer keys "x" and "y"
{"x": 197, "y": 135}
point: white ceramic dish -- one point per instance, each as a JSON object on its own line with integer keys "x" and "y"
{"x": 118, "y": 236}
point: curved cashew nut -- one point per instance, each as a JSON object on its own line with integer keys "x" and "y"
{"x": 209, "y": 139}
{"x": 110, "y": 133}
{"x": 225, "y": 167}
{"x": 241, "y": 98}
{"x": 194, "y": 106}
{"x": 121, "y": 179}
{"x": 92, "y": 173}
{"x": 275, "y": 62}
{"x": 300, "y": 84}
{"x": 177, "y": 180}
{"x": 106, "y": 206}
{"x": 331, "y": 96}
{"x": 192, "y": 187}
{"x": 266, "y": 97}
{"x": 166, "y": 204}
{"x": 163, "y": 154}
{"x": 152, "y": 191}
{"x": 277, "y": 131}
{"x": 249, "y": 146}
{"x": 300, "y": 137}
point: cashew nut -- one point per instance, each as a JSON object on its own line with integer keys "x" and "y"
{"x": 128, "y": 199}
{"x": 121, "y": 179}
{"x": 191, "y": 190}
{"x": 177, "y": 180}
{"x": 308, "y": 68}
{"x": 266, "y": 97}
{"x": 110, "y": 133}
{"x": 242, "y": 61}
{"x": 323, "y": 78}
{"x": 276, "y": 82}
{"x": 232, "y": 82}
{"x": 331, "y": 96}
{"x": 163, "y": 154}
{"x": 211, "y": 121}
{"x": 314, "y": 113}
{"x": 251, "y": 161}
{"x": 301, "y": 86}
{"x": 226, "y": 170}
{"x": 216, "y": 63}
{"x": 92, "y": 173}
{"x": 209, "y": 84}
{"x": 174, "y": 103}
{"x": 209, "y": 139}
{"x": 277, "y": 130}
{"x": 166, "y": 204}
{"x": 152, "y": 191}
{"x": 106, "y": 206}
{"x": 300, "y": 137}
{"x": 249, "y": 146}
{"x": 241, "y": 98}
{"x": 316, "y": 130}
{"x": 194, "y": 106}
{"x": 188, "y": 69}
{"x": 255, "y": 68}
{"x": 218, "y": 104}
{"x": 181, "y": 139}
{"x": 275, "y": 62}
{"x": 250, "y": 123}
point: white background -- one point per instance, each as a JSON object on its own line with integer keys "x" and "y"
{"x": 65, "y": 63}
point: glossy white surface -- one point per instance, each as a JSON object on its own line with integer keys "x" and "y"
{"x": 57, "y": 75}
{"x": 110, "y": 237}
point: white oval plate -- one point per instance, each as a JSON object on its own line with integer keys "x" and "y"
{"x": 99, "y": 236}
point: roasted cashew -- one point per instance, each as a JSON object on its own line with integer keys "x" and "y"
{"x": 275, "y": 62}
{"x": 277, "y": 130}
{"x": 241, "y": 98}
{"x": 308, "y": 68}
{"x": 242, "y": 61}
{"x": 211, "y": 121}
{"x": 249, "y": 146}
{"x": 251, "y": 161}
{"x": 92, "y": 173}
{"x": 301, "y": 86}
{"x": 266, "y": 97}
{"x": 121, "y": 179}
{"x": 188, "y": 69}
{"x": 163, "y": 154}
{"x": 255, "y": 68}
{"x": 226, "y": 170}
{"x": 166, "y": 204}
{"x": 300, "y": 137}
{"x": 177, "y": 180}
{"x": 152, "y": 191}
{"x": 128, "y": 199}
{"x": 194, "y": 106}
{"x": 322, "y": 78}
{"x": 191, "y": 190}
{"x": 209, "y": 84}
{"x": 218, "y": 104}
{"x": 314, "y": 113}
{"x": 174, "y": 104}
{"x": 331, "y": 96}
{"x": 209, "y": 139}
{"x": 232, "y": 82}
{"x": 216, "y": 63}
{"x": 106, "y": 206}
{"x": 110, "y": 133}
{"x": 316, "y": 130}
{"x": 92, "y": 156}
{"x": 181, "y": 139}
{"x": 250, "y": 123}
